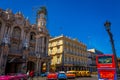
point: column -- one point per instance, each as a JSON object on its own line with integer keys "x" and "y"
{"x": 48, "y": 66}
{"x": 25, "y": 58}
{"x": 3, "y": 57}
{"x": 36, "y": 44}
{"x": 39, "y": 66}
{"x": 42, "y": 45}
{"x": 47, "y": 42}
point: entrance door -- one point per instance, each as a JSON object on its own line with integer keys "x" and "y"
{"x": 12, "y": 67}
{"x": 30, "y": 65}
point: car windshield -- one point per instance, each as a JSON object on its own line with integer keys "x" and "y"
{"x": 71, "y": 72}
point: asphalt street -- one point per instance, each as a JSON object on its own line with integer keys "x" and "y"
{"x": 94, "y": 77}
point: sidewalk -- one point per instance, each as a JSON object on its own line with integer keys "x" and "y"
{"x": 39, "y": 78}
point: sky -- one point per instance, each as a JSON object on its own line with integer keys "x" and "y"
{"x": 81, "y": 19}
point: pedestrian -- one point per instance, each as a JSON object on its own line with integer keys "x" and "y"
{"x": 28, "y": 73}
{"x": 31, "y": 74}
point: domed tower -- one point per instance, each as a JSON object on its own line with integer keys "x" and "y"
{"x": 42, "y": 38}
{"x": 41, "y": 20}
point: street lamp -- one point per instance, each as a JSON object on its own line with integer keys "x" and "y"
{"x": 107, "y": 25}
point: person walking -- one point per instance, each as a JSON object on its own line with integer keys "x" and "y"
{"x": 31, "y": 74}
{"x": 28, "y": 74}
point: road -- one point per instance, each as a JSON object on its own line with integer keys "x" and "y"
{"x": 94, "y": 77}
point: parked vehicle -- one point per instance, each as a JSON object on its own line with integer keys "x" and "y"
{"x": 70, "y": 74}
{"x": 88, "y": 73}
{"x": 62, "y": 76}
{"x": 7, "y": 77}
{"x": 44, "y": 74}
{"x": 20, "y": 76}
{"x": 52, "y": 76}
{"x": 83, "y": 73}
{"x": 78, "y": 74}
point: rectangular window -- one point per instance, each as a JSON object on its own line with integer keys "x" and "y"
{"x": 104, "y": 59}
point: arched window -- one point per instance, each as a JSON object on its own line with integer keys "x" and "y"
{"x": 16, "y": 32}
{"x": 32, "y": 36}
{"x": 32, "y": 39}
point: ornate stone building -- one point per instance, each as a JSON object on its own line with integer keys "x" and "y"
{"x": 23, "y": 46}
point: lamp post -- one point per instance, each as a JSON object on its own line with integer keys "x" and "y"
{"x": 107, "y": 25}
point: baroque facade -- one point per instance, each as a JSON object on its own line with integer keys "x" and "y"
{"x": 67, "y": 54}
{"x": 23, "y": 46}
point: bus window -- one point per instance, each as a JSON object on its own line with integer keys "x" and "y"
{"x": 104, "y": 59}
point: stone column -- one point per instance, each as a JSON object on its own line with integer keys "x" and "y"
{"x": 40, "y": 66}
{"x": 47, "y": 42}
{"x": 37, "y": 66}
{"x": 48, "y": 66}
{"x": 3, "y": 58}
{"x": 25, "y": 60}
{"x": 43, "y": 45}
{"x": 4, "y": 53}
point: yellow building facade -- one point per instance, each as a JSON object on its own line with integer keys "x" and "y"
{"x": 67, "y": 54}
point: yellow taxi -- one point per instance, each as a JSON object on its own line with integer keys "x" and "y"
{"x": 78, "y": 74}
{"x": 88, "y": 74}
{"x": 83, "y": 73}
{"x": 71, "y": 74}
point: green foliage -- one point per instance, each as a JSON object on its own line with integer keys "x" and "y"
{"x": 42, "y": 10}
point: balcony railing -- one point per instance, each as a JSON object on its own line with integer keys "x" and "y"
{"x": 89, "y": 56}
{"x": 13, "y": 51}
{"x": 32, "y": 41}
{"x": 32, "y": 54}
{"x": 68, "y": 62}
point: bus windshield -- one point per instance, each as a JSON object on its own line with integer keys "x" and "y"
{"x": 104, "y": 59}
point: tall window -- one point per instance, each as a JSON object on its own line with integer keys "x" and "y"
{"x": 16, "y": 32}
{"x": 58, "y": 59}
{"x": 15, "y": 46}
{"x": 32, "y": 36}
{"x": 32, "y": 49}
{"x": 45, "y": 42}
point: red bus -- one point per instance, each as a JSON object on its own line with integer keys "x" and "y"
{"x": 106, "y": 67}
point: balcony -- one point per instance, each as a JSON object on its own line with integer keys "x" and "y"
{"x": 58, "y": 52}
{"x": 33, "y": 41}
{"x": 68, "y": 63}
{"x": 32, "y": 54}
{"x": 15, "y": 38}
{"x": 58, "y": 63}
{"x": 58, "y": 43}
{"x": 15, "y": 52}
{"x": 89, "y": 56}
